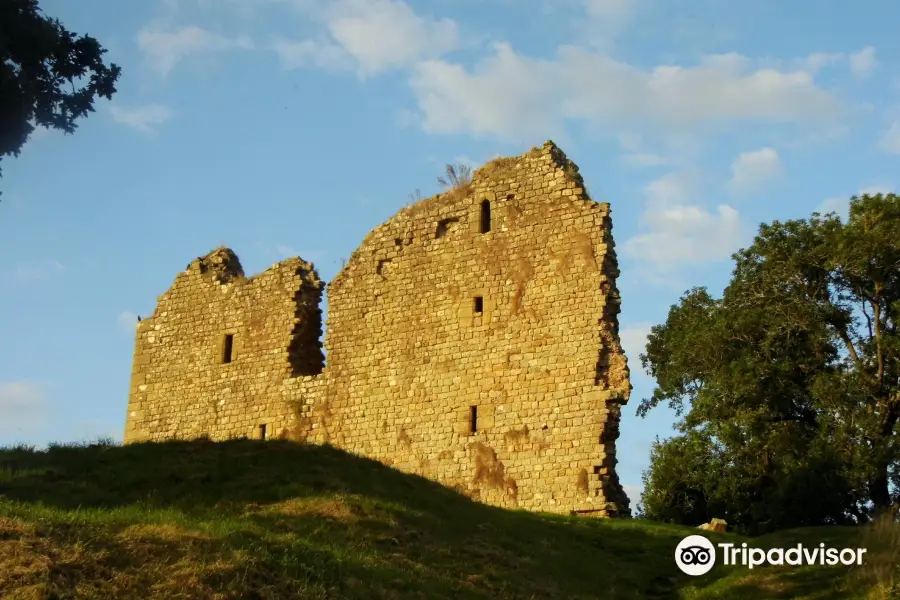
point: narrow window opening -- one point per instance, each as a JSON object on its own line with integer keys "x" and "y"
{"x": 479, "y": 305}
{"x": 228, "y": 348}
{"x": 473, "y": 419}
{"x": 485, "y": 216}
{"x": 262, "y": 432}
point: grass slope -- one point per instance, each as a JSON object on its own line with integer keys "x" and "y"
{"x": 266, "y": 520}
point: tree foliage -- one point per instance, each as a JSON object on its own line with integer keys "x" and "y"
{"x": 49, "y": 76}
{"x": 788, "y": 386}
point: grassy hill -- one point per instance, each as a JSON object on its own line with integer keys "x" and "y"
{"x": 265, "y": 520}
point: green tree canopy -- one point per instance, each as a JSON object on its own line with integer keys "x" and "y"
{"x": 49, "y": 76}
{"x": 788, "y": 386}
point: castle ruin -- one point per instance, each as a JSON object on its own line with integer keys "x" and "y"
{"x": 471, "y": 339}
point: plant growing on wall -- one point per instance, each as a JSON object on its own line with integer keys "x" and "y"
{"x": 457, "y": 176}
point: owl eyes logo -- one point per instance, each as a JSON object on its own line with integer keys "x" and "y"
{"x": 695, "y": 555}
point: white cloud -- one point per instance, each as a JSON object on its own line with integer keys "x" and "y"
{"x": 890, "y": 141}
{"x": 127, "y": 321}
{"x": 606, "y": 19}
{"x": 680, "y": 231}
{"x": 164, "y": 50}
{"x": 507, "y": 95}
{"x": 634, "y": 340}
{"x": 143, "y": 118}
{"x": 816, "y": 138}
{"x": 371, "y": 36}
{"x": 819, "y": 60}
{"x": 22, "y": 407}
{"x": 385, "y": 34}
{"x": 863, "y": 62}
{"x": 635, "y": 154}
{"x": 644, "y": 159}
{"x": 835, "y": 204}
{"x": 243, "y": 8}
{"x": 38, "y": 271}
{"x": 674, "y": 188}
{"x": 683, "y": 234}
{"x": 860, "y": 63}
{"x": 506, "y": 90}
{"x": 311, "y": 53}
{"x": 630, "y": 141}
{"x": 610, "y": 10}
{"x": 752, "y": 169}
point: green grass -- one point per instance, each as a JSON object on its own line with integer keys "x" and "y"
{"x": 265, "y": 520}
{"x": 815, "y": 582}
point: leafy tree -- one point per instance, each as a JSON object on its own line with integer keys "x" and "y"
{"x": 789, "y": 385}
{"x": 49, "y": 76}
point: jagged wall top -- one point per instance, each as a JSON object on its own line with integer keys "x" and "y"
{"x": 495, "y": 170}
{"x": 222, "y": 267}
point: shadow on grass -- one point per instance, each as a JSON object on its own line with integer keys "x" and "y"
{"x": 277, "y": 519}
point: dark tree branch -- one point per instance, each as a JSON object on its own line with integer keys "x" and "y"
{"x": 38, "y": 57}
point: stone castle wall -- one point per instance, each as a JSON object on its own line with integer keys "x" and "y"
{"x": 181, "y": 383}
{"x": 472, "y": 339}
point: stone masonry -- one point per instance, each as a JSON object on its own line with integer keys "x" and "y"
{"x": 472, "y": 339}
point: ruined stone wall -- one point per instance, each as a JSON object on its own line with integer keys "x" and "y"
{"x": 433, "y": 323}
{"x": 181, "y": 384}
{"x": 487, "y": 360}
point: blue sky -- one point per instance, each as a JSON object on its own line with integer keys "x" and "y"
{"x": 284, "y": 127}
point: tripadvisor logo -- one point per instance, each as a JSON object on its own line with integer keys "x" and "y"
{"x": 696, "y": 555}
